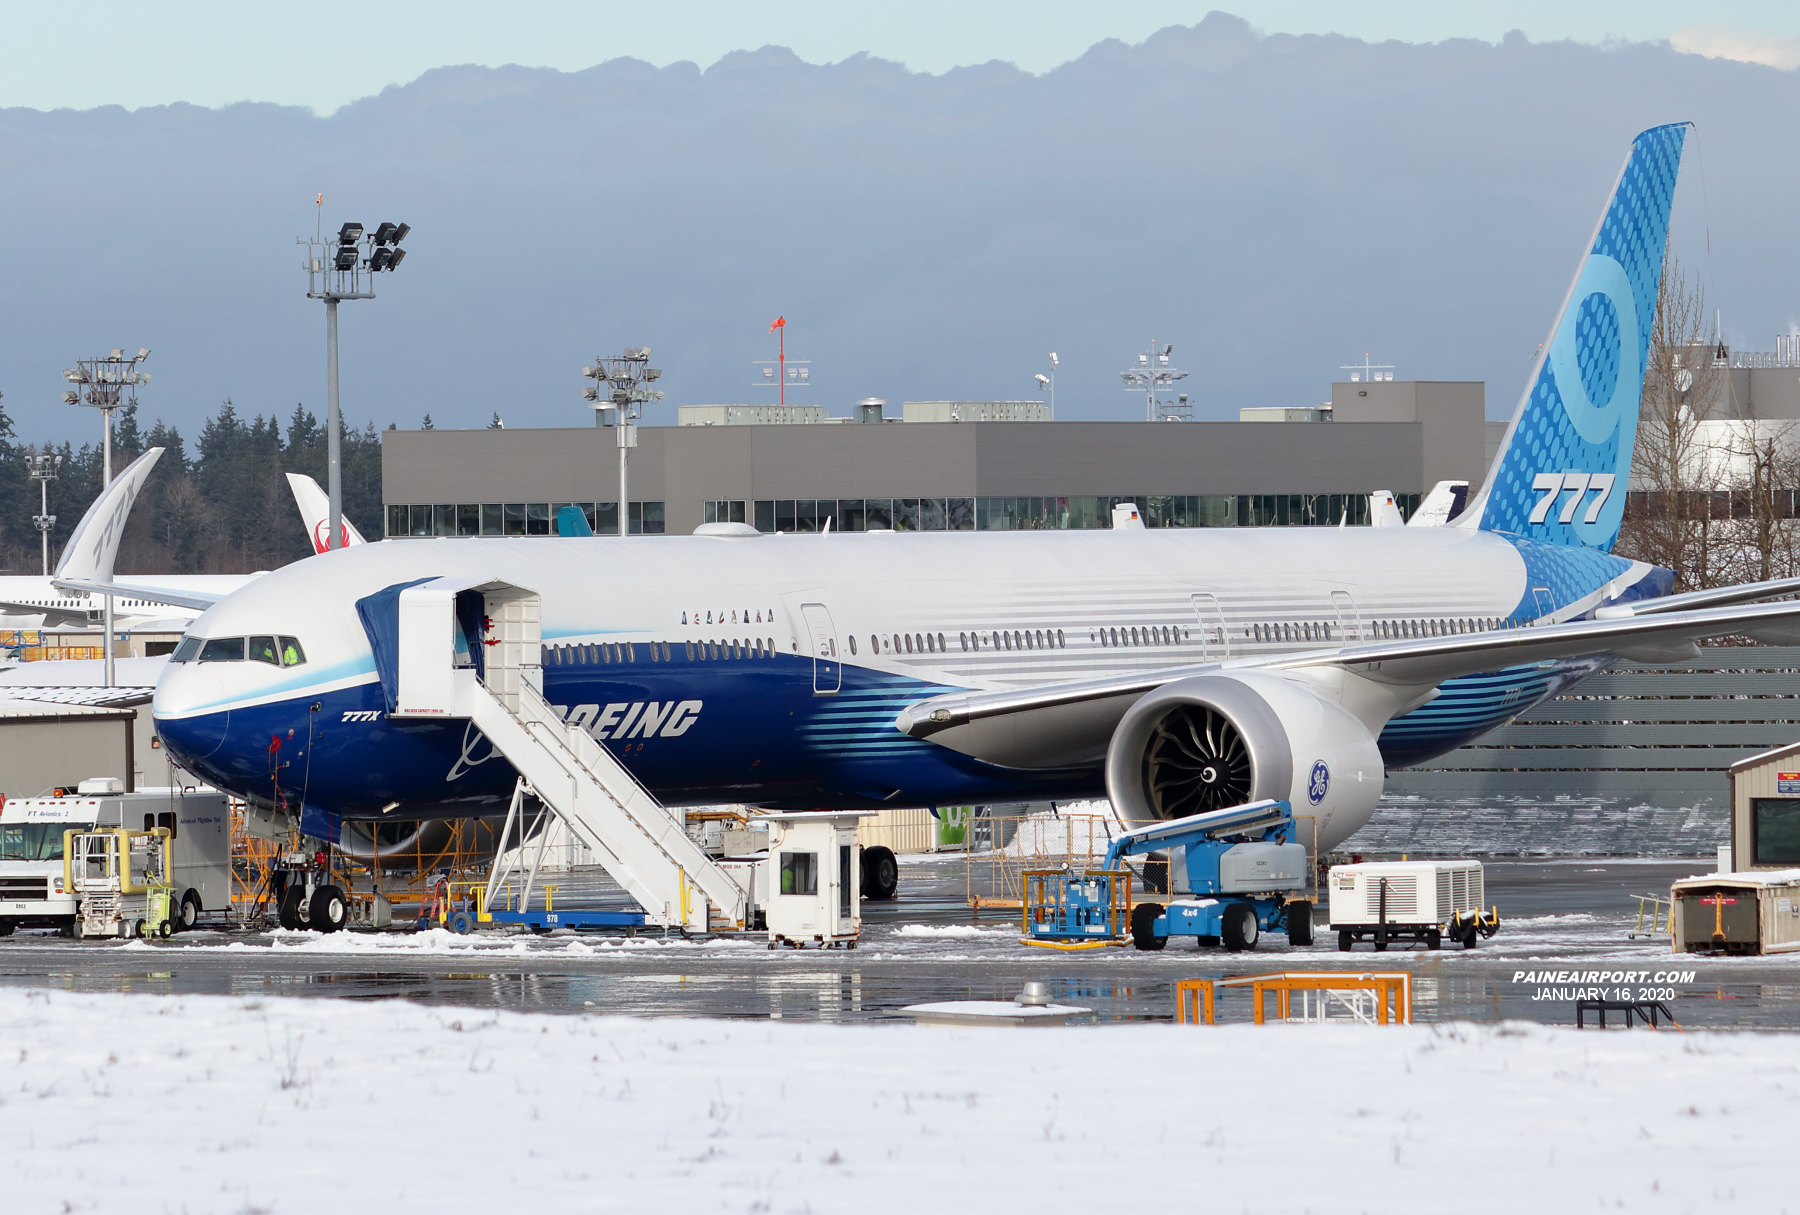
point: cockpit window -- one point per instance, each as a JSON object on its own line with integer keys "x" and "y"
{"x": 223, "y": 649}
{"x": 276, "y": 651}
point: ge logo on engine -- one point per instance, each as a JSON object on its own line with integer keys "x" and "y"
{"x": 1318, "y": 783}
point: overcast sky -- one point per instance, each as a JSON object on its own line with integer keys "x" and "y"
{"x": 326, "y": 53}
{"x": 1273, "y": 205}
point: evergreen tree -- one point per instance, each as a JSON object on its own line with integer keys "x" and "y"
{"x": 17, "y": 502}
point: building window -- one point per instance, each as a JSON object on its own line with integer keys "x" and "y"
{"x": 646, "y": 518}
{"x": 1775, "y": 830}
{"x": 725, "y": 511}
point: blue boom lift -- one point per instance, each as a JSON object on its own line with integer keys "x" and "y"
{"x": 1240, "y": 864}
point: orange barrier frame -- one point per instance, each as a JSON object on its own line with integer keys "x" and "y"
{"x": 1392, "y": 988}
{"x": 1195, "y": 1002}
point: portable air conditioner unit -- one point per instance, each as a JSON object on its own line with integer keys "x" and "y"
{"x": 1408, "y": 900}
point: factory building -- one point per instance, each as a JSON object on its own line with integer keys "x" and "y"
{"x": 945, "y": 465}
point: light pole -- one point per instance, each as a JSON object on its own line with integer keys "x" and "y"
{"x": 619, "y": 394}
{"x": 106, "y": 384}
{"x": 344, "y": 270}
{"x": 1049, "y": 381}
{"x": 43, "y": 471}
{"x": 1152, "y": 375}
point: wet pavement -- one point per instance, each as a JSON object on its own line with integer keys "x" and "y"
{"x": 1559, "y": 916}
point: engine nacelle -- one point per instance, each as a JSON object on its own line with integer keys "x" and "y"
{"x": 1221, "y": 740}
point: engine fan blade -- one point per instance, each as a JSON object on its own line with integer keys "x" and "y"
{"x": 1196, "y": 761}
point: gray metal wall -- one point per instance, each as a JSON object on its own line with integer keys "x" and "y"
{"x": 41, "y": 752}
{"x": 684, "y": 467}
{"x": 1633, "y": 760}
{"x": 1452, "y": 416}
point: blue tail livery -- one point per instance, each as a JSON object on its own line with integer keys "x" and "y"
{"x": 1562, "y": 472}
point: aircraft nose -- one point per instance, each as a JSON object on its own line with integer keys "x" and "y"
{"x": 181, "y": 708}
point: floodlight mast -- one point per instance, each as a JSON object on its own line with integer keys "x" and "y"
{"x": 44, "y": 467}
{"x": 618, "y": 395}
{"x": 104, "y": 384}
{"x": 1049, "y": 381}
{"x": 1153, "y": 374}
{"x": 344, "y": 268}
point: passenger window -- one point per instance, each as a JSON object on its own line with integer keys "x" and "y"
{"x": 262, "y": 649}
{"x": 167, "y": 820}
{"x": 223, "y": 649}
{"x": 187, "y": 650}
{"x": 853, "y": 645}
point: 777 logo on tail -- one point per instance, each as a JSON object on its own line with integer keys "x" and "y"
{"x": 1576, "y": 485}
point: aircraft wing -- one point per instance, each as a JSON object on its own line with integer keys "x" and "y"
{"x": 1743, "y": 592}
{"x": 54, "y": 617}
{"x": 1077, "y": 717}
{"x": 186, "y": 599}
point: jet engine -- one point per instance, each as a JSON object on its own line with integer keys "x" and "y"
{"x": 1221, "y": 740}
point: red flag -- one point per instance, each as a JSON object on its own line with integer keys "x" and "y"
{"x": 780, "y": 323}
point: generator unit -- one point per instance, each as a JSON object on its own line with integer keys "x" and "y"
{"x": 1409, "y": 900}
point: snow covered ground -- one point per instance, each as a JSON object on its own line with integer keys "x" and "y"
{"x": 117, "y": 1103}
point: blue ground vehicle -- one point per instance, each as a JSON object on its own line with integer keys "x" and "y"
{"x": 1231, "y": 872}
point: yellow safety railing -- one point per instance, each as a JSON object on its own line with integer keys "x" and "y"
{"x": 1660, "y": 911}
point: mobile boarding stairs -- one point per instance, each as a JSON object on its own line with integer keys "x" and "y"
{"x": 497, "y": 685}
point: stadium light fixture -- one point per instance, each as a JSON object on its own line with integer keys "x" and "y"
{"x": 1152, "y": 376}
{"x": 110, "y": 382}
{"x": 618, "y": 395}
{"x": 343, "y": 268}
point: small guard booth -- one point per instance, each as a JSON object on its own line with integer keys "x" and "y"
{"x": 815, "y": 878}
{"x": 1753, "y": 904}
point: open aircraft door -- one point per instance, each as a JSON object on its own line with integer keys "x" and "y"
{"x": 828, "y": 670}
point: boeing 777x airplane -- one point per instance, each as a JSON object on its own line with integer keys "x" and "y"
{"x": 1175, "y": 671}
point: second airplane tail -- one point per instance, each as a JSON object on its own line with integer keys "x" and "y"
{"x": 315, "y": 509}
{"x": 1562, "y": 472}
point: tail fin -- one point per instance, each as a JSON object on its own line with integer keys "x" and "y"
{"x": 91, "y": 550}
{"x": 315, "y": 509}
{"x": 1562, "y": 471}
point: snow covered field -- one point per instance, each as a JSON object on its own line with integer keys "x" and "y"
{"x": 211, "y": 1104}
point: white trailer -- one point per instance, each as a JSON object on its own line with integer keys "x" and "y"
{"x": 1409, "y": 900}
{"x": 33, "y": 887}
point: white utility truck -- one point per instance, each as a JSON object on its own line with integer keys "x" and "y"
{"x": 1409, "y": 900}
{"x": 33, "y": 886}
